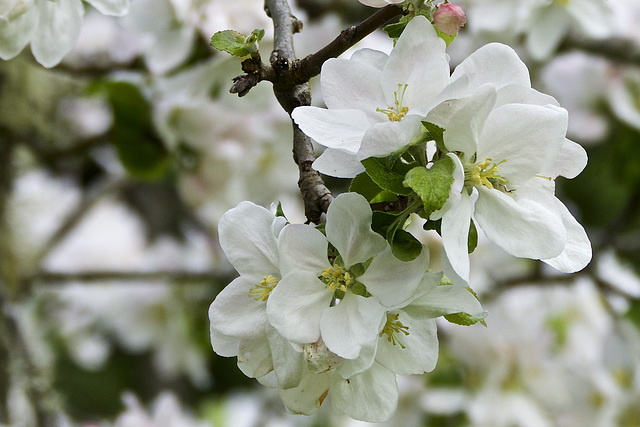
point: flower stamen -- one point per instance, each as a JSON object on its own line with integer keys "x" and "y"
{"x": 264, "y": 289}
{"x": 393, "y": 327}
{"x": 398, "y": 111}
{"x": 485, "y": 173}
{"x": 336, "y": 278}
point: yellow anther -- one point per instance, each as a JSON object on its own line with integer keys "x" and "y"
{"x": 336, "y": 278}
{"x": 484, "y": 173}
{"x": 393, "y": 327}
{"x": 264, "y": 289}
{"x": 398, "y": 111}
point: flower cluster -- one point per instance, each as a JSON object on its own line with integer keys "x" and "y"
{"x": 344, "y": 307}
{"x": 329, "y": 312}
{"x": 497, "y": 146}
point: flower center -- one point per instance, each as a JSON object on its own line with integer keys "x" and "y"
{"x": 263, "y": 290}
{"x": 398, "y": 111}
{"x": 336, "y": 278}
{"x": 393, "y": 327}
{"x": 485, "y": 173}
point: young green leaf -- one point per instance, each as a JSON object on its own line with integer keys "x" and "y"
{"x": 236, "y": 43}
{"x": 432, "y": 185}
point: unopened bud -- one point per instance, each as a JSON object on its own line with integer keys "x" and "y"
{"x": 449, "y": 18}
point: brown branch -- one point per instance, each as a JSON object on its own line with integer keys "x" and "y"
{"x": 310, "y": 66}
{"x": 314, "y": 192}
{"x": 614, "y": 49}
{"x": 291, "y": 71}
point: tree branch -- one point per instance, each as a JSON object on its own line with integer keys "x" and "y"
{"x": 315, "y": 194}
{"x": 310, "y": 66}
{"x": 615, "y": 49}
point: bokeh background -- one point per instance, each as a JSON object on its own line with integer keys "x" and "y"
{"x": 116, "y": 165}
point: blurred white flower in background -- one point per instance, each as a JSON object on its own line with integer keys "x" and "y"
{"x": 51, "y": 27}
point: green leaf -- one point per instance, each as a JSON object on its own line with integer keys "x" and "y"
{"x": 140, "y": 150}
{"x": 435, "y": 133}
{"x": 446, "y": 37}
{"x": 365, "y": 186}
{"x": 236, "y": 43}
{"x": 473, "y": 237}
{"x": 395, "y": 30}
{"x": 432, "y": 185}
{"x": 388, "y": 176}
{"x": 279, "y": 211}
{"x": 464, "y": 319}
{"x": 404, "y": 246}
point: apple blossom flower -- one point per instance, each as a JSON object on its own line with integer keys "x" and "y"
{"x": 449, "y": 18}
{"x": 506, "y": 156}
{"x": 51, "y": 27}
{"x": 342, "y": 301}
{"x": 239, "y": 325}
{"x": 375, "y": 102}
{"x": 365, "y": 388}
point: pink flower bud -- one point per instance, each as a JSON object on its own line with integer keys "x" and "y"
{"x": 449, "y": 18}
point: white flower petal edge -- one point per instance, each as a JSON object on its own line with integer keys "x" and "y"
{"x": 348, "y": 228}
{"x": 57, "y": 30}
{"x": 111, "y": 7}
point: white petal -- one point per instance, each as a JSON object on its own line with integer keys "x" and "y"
{"x": 341, "y": 129}
{"x": 372, "y": 57}
{"x": 384, "y": 138}
{"x": 420, "y": 352}
{"x": 57, "y": 30}
{"x": 577, "y": 251}
{"x": 449, "y": 299}
{"x": 425, "y": 77}
{"x": 455, "y": 235}
{"x": 394, "y": 282}
{"x": 16, "y": 33}
{"x": 309, "y": 395}
{"x": 351, "y": 367}
{"x": 526, "y": 136}
{"x": 234, "y": 313}
{"x": 338, "y": 163}
{"x": 223, "y": 345}
{"x": 254, "y": 357}
{"x": 522, "y": 227}
{"x": 518, "y": 94}
{"x": 464, "y": 119}
{"x": 348, "y": 84}
{"x": 295, "y": 305}
{"x": 351, "y": 325}
{"x": 247, "y": 239}
{"x": 303, "y": 248}
{"x": 348, "y": 228}
{"x": 111, "y": 7}
{"x": 594, "y": 17}
{"x": 287, "y": 363}
{"x": 548, "y": 28}
{"x": 455, "y": 193}
{"x": 369, "y": 396}
{"x": 569, "y": 162}
{"x": 493, "y": 63}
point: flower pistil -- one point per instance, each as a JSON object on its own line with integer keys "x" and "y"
{"x": 398, "y": 111}
{"x": 485, "y": 173}
{"x": 336, "y": 278}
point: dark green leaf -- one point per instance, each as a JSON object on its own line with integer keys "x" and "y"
{"x": 404, "y": 246}
{"x": 473, "y": 237}
{"x": 388, "y": 176}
